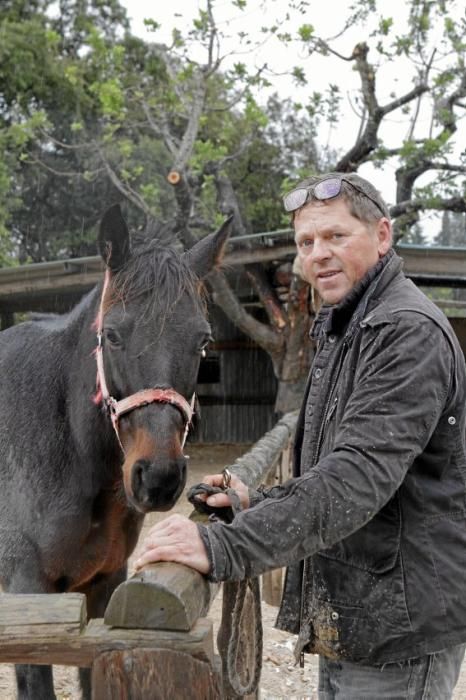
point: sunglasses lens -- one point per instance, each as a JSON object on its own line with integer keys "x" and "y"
{"x": 295, "y": 199}
{"x": 327, "y": 189}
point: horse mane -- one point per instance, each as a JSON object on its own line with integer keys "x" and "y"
{"x": 153, "y": 266}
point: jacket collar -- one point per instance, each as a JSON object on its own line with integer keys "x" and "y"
{"x": 348, "y": 313}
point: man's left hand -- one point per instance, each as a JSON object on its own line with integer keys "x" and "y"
{"x": 174, "y": 539}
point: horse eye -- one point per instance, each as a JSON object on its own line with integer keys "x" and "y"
{"x": 112, "y": 336}
{"x": 203, "y": 348}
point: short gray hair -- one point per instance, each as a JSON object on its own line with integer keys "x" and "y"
{"x": 361, "y": 207}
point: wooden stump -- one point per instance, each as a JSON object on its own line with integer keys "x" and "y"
{"x": 155, "y": 674}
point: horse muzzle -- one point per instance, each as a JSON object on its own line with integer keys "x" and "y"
{"x": 156, "y": 485}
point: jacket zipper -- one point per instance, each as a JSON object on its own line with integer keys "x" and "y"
{"x": 327, "y": 412}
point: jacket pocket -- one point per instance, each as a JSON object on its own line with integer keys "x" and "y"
{"x": 375, "y": 547}
{"x": 355, "y": 613}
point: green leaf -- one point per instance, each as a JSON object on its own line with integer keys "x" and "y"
{"x": 152, "y": 25}
{"x": 306, "y": 32}
{"x": 385, "y": 24}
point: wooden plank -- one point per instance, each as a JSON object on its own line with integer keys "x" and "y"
{"x": 48, "y": 647}
{"x": 433, "y": 260}
{"x": 164, "y": 596}
{"x": 29, "y": 610}
{"x": 22, "y": 289}
{"x": 140, "y": 674}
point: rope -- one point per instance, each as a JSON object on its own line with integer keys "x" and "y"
{"x": 235, "y": 626}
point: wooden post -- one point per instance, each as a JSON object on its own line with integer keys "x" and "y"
{"x": 153, "y": 674}
{"x": 272, "y": 581}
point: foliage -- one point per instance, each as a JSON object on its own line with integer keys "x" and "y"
{"x": 191, "y": 129}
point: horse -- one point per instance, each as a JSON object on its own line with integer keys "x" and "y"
{"x": 94, "y": 409}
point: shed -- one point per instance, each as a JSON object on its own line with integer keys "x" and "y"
{"x": 237, "y": 385}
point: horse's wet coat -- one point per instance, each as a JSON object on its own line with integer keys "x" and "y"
{"x": 71, "y": 502}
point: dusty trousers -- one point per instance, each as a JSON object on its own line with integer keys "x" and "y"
{"x": 430, "y": 677}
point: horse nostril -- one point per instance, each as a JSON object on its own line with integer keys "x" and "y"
{"x": 157, "y": 485}
{"x": 137, "y": 478}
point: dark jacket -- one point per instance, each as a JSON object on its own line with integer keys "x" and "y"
{"x": 373, "y": 525}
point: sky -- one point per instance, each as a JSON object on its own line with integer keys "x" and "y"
{"x": 328, "y": 19}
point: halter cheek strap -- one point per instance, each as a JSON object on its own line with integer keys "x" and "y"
{"x": 140, "y": 398}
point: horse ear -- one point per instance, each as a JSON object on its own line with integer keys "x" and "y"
{"x": 114, "y": 243}
{"x": 208, "y": 252}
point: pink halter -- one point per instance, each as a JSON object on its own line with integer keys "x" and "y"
{"x": 140, "y": 398}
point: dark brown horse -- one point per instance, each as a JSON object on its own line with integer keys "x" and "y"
{"x": 82, "y": 459}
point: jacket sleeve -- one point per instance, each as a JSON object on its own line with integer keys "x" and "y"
{"x": 399, "y": 392}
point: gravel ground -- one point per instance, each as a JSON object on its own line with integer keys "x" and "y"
{"x": 281, "y": 679}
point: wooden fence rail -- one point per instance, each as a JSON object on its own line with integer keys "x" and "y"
{"x": 155, "y": 633}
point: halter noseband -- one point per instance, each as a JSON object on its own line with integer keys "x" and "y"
{"x": 140, "y": 398}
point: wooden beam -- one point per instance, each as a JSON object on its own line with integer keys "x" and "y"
{"x": 54, "y": 644}
{"x": 30, "y": 287}
{"x": 66, "y": 611}
{"x": 433, "y": 261}
{"x": 23, "y": 288}
{"x": 163, "y": 596}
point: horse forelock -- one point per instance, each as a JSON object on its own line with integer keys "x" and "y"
{"x": 157, "y": 276}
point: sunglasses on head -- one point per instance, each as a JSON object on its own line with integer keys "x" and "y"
{"x": 325, "y": 189}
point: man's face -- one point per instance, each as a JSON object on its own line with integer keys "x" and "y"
{"x": 335, "y": 249}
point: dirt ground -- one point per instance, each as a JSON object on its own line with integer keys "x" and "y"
{"x": 280, "y": 679}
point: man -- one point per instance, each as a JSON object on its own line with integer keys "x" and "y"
{"x": 373, "y": 526}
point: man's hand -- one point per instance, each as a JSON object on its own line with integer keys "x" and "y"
{"x": 174, "y": 539}
{"x": 222, "y": 500}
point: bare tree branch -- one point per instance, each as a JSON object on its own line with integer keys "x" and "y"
{"x": 61, "y": 173}
{"x": 125, "y": 189}
{"x": 212, "y": 64}
{"x": 404, "y": 99}
{"x": 456, "y": 204}
{"x": 367, "y": 140}
{"x": 268, "y": 296}
{"x": 160, "y": 129}
{"x": 263, "y": 335}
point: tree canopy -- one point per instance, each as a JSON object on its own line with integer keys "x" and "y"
{"x": 190, "y": 130}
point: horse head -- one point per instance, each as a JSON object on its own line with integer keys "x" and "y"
{"x": 152, "y": 331}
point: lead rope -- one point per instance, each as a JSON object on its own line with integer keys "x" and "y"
{"x": 234, "y": 599}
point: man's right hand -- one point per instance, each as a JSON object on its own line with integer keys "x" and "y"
{"x": 222, "y": 500}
